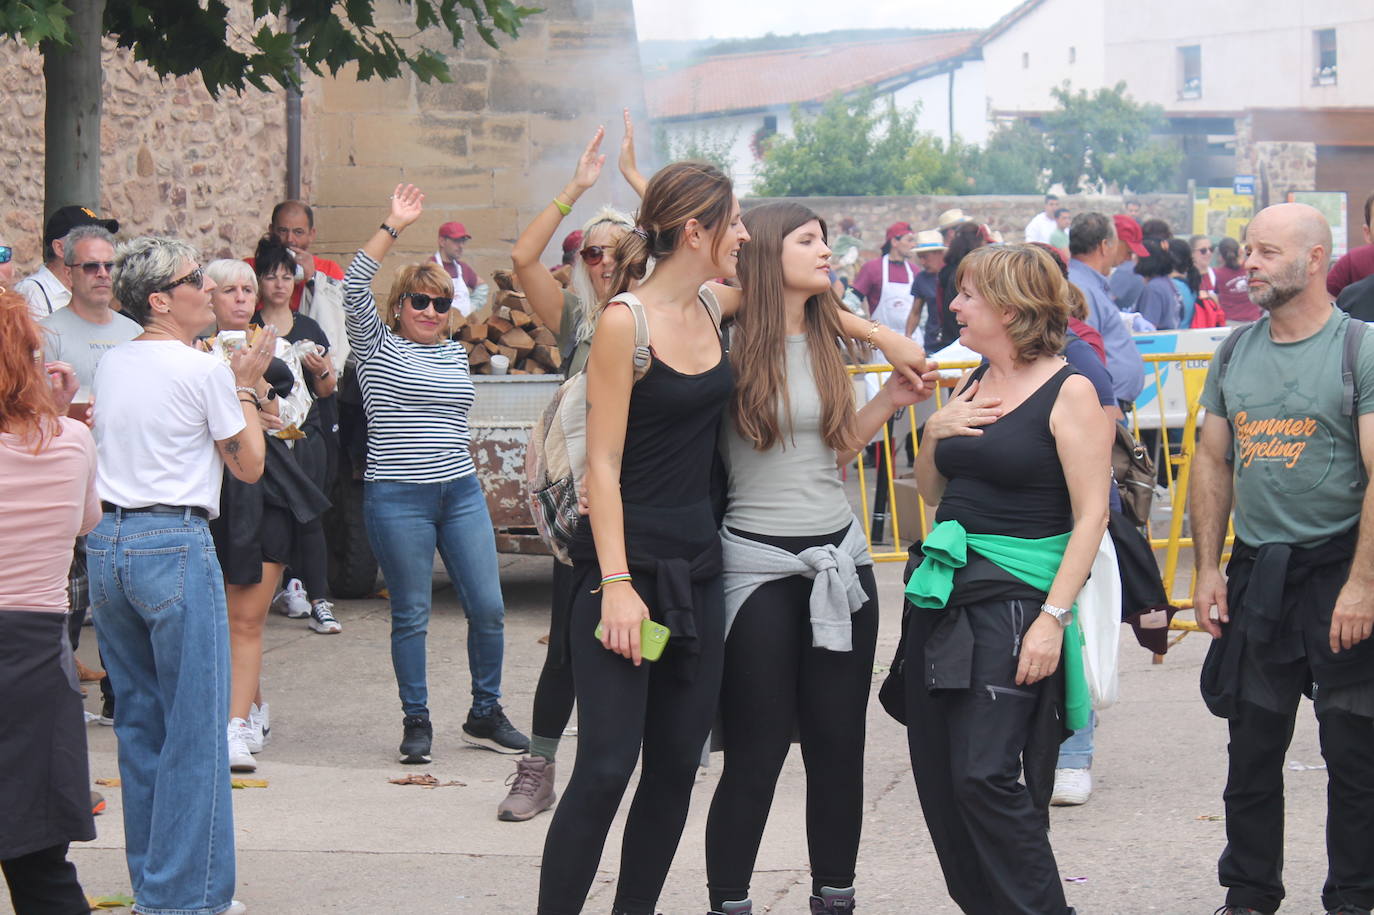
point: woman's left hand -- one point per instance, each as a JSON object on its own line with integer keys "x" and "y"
{"x": 1040, "y": 648}
{"x": 317, "y": 365}
{"x": 64, "y": 383}
{"x": 590, "y": 162}
{"x": 908, "y": 357}
{"x": 903, "y": 393}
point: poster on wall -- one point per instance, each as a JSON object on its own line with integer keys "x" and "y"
{"x": 1332, "y": 206}
{"x": 1220, "y": 212}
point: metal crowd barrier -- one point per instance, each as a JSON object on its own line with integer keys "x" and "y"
{"x": 1169, "y": 418}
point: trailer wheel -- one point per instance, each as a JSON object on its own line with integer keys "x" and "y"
{"x": 352, "y": 567}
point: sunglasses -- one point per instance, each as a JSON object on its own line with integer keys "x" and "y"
{"x": 1203, "y": 251}
{"x": 420, "y": 301}
{"x": 195, "y": 278}
{"x": 6, "y": 254}
{"x": 595, "y": 254}
{"x": 94, "y": 268}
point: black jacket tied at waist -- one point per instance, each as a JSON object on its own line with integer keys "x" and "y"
{"x": 1280, "y": 600}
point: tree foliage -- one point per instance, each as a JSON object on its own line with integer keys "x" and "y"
{"x": 1106, "y": 138}
{"x": 702, "y": 145}
{"x": 1012, "y": 161}
{"x": 855, "y": 147}
{"x": 178, "y": 37}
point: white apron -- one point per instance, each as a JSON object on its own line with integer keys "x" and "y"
{"x": 892, "y": 310}
{"x": 462, "y": 298}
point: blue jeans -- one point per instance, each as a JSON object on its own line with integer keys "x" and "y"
{"x": 1077, "y": 751}
{"x": 405, "y": 523}
{"x": 157, "y": 596}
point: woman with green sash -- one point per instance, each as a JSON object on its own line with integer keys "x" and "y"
{"x": 1017, "y": 460}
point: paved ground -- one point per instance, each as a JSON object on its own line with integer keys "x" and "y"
{"x": 330, "y": 834}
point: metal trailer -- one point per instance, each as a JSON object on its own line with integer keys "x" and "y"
{"x": 505, "y": 411}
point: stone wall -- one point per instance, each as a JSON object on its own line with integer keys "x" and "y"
{"x": 1278, "y": 166}
{"x": 1006, "y": 214}
{"x": 489, "y": 149}
{"x": 173, "y": 160}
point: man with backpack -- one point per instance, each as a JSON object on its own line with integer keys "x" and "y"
{"x": 1289, "y": 440}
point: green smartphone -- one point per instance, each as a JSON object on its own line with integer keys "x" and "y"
{"x": 653, "y": 638}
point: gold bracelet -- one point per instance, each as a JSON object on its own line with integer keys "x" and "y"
{"x": 872, "y": 332}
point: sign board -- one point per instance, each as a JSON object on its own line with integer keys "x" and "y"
{"x": 1333, "y": 206}
{"x": 1167, "y": 388}
{"x": 1243, "y": 185}
{"x": 1219, "y": 212}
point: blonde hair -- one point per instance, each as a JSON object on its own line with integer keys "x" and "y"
{"x": 1025, "y": 282}
{"x": 589, "y": 307}
{"x": 426, "y": 277}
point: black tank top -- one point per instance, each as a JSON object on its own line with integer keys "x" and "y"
{"x": 1008, "y": 480}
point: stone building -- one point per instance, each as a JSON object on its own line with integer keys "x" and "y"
{"x": 488, "y": 149}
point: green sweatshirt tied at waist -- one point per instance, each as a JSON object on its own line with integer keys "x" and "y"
{"x": 1034, "y": 561}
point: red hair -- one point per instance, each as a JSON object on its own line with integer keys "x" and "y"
{"x": 27, "y": 408}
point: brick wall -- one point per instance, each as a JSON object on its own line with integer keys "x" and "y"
{"x": 173, "y": 160}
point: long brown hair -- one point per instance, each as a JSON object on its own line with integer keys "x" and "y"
{"x": 676, "y": 193}
{"x": 758, "y": 348}
{"x": 27, "y": 408}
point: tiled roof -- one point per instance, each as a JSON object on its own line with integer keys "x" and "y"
{"x": 740, "y": 82}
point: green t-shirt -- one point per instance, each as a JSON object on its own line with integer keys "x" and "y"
{"x": 1296, "y": 459}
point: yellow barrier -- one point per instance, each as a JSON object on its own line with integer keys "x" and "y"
{"x": 1176, "y": 467}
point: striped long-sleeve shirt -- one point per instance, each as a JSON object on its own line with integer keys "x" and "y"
{"x": 417, "y": 396}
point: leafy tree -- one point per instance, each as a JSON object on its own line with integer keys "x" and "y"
{"x": 1106, "y": 138}
{"x": 714, "y": 146}
{"x": 180, "y": 37}
{"x": 854, "y": 147}
{"x": 1012, "y": 162}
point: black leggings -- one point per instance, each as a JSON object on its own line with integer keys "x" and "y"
{"x": 622, "y": 708}
{"x": 553, "y": 696}
{"x": 44, "y": 883}
{"x": 777, "y": 685}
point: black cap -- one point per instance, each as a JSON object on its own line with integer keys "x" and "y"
{"x": 68, "y": 218}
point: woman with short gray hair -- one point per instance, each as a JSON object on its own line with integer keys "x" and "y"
{"x": 170, "y": 419}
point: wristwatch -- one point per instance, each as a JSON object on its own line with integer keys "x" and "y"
{"x": 1062, "y": 615}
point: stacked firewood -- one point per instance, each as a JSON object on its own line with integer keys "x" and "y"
{"x": 509, "y": 328}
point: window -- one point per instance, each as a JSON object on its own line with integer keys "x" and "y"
{"x": 1190, "y": 71}
{"x": 1324, "y": 57}
{"x": 1025, "y": 60}
{"x": 1073, "y": 55}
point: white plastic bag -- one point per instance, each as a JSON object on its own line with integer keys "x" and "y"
{"x": 1099, "y": 617}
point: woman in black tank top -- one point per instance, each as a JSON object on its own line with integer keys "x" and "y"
{"x": 649, "y": 549}
{"x": 1021, "y": 451}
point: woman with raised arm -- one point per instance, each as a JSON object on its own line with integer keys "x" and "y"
{"x": 801, "y": 600}
{"x": 571, "y": 315}
{"x": 1019, "y": 462}
{"x": 421, "y": 489}
{"x": 170, "y": 420}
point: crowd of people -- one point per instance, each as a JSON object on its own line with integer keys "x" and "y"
{"x": 169, "y": 436}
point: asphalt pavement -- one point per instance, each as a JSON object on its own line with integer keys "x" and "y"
{"x": 330, "y": 834}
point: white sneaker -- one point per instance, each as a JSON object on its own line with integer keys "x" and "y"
{"x": 1072, "y": 787}
{"x": 235, "y": 908}
{"x": 292, "y": 600}
{"x": 259, "y": 727}
{"x": 240, "y": 760}
{"x": 322, "y": 618}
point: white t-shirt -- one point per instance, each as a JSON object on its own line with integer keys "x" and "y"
{"x": 81, "y": 343}
{"x": 45, "y": 293}
{"x": 1041, "y": 228}
{"x": 160, "y": 406}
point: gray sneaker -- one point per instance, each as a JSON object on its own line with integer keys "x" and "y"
{"x": 531, "y": 790}
{"x": 832, "y": 901}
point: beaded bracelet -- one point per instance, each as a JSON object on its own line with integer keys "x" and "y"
{"x": 619, "y": 576}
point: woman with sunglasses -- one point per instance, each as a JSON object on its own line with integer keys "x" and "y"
{"x": 420, "y": 488}
{"x": 571, "y": 315}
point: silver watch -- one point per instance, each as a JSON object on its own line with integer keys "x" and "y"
{"x": 1062, "y": 615}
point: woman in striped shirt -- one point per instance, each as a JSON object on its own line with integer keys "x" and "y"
{"x": 421, "y": 489}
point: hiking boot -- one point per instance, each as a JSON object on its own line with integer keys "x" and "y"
{"x": 416, "y": 739}
{"x": 832, "y": 901}
{"x": 1072, "y": 787}
{"x": 494, "y": 732}
{"x": 531, "y": 790}
{"x": 322, "y": 618}
{"x": 240, "y": 760}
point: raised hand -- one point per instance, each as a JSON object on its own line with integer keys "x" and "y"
{"x": 250, "y": 362}
{"x": 964, "y": 414}
{"x": 407, "y": 203}
{"x": 590, "y": 162}
{"x": 629, "y": 167}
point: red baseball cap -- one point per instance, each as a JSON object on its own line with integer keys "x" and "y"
{"x": 457, "y": 232}
{"x": 897, "y": 230}
{"x": 572, "y": 242}
{"x": 1128, "y": 230}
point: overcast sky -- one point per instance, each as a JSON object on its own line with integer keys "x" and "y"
{"x": 665, "y": 19}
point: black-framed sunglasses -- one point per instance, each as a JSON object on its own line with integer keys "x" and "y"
{"x": 1207, "y": 250}
{"x": 93, "y": 268}
{"x": 595, "y": 254}
{"x": 420, "y": 301}
{"x": 195, "y": 278}
{"x": 6, "y": 254}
